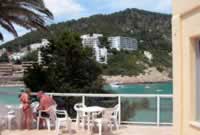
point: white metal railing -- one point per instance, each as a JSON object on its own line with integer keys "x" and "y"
{"x": 119, "y": 97}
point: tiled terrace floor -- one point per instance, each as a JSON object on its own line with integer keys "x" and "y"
{"x": 124, "y": 130}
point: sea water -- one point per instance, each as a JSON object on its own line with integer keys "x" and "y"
{"x": 133, "y": 109}
{"x": 144, "y": 109}
{"x": 9, "y": 95}
{"x": 150, "y": 88}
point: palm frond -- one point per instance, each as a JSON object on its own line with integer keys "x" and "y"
{"x": 30, "y": 14}
{"x": 1, "y": 36}
{"x": 8, "y": 26}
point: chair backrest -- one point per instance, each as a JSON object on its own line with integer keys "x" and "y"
{"x": 34, "y": 106}
{"x": 111, "y": 113}
{"x": 116, "y": 111}
{"x": 108, "y": 113}
{"x": 78, "y": 106}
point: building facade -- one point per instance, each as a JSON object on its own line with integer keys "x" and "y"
{"x": 17, "y": 56}
{"x": 93, "y": 42}
{"x": 25, "y": 51}
{"x": 36, "y": 46}
{"x": 186, "y": 66}
{"x": 123, "y": 43}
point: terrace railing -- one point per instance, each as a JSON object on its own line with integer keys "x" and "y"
{"x": 134, "y": 108}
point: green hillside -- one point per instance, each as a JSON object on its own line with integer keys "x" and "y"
{"x": 152, "y": 30}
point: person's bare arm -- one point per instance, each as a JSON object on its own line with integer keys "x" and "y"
{"x": 40, "y": 107}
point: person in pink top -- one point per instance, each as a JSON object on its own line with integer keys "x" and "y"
{"x": 45, "y": 101}
{"x": 27, "y": 112}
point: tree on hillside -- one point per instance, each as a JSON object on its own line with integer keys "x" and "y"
{"x": 66, "y": 67}
{"x": 31, "y": 56}
{"x": 104, "y": 42}
{"x": 4, "y": 58}
{"x": 125, "y": 63}
{"x": 30, "y": 14}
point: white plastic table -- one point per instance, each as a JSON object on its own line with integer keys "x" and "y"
{"x": 89, "y": 111}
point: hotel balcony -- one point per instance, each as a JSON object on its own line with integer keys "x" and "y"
{"x": 139, "y": 114}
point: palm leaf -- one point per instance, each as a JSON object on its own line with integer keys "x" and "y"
{"x": 1, "y": 36}
{"x": 30, "y": 14}
{"x": 9, "y": 27}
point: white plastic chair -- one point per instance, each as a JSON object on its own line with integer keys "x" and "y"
{"x": 106, "y": 119}
{"x": 54, "y": 117}
{"x": 64, "y": 119}
{"x": 109, "y": 118}
{"x": 115, "y": 116}
{"x": 46, "y": 118}
{"x": 10, "y": 116}
{"x": 80, "y": 116}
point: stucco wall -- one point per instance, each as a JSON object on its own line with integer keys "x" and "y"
{"x": 186, "y": 31}
{"x": 180, "y": 6}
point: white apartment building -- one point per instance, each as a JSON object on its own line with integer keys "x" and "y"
{"x": 36, "y": 46}
{"x": 17, "y": 56}
{"x": 92, "y": 41}
{"x": 101, "y": 54}
{"x": 123, "y": 43}
{"x": 33, "y": 47}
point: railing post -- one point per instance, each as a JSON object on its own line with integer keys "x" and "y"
{"x": 83, "y": 100}
{"x": 119, "y": 103}
{"x": 158, "y": 110}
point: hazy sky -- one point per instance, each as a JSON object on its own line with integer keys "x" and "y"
{"x": 64, "y": 10}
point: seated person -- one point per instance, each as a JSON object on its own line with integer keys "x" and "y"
{"x": 45, "y": 102}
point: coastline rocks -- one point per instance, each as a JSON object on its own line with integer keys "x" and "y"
{"x": 151, "y": 75}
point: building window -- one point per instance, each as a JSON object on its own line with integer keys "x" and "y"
{"x": 198, "y": 82}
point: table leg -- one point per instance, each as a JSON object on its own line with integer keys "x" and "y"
{"x": 89, "y": 114}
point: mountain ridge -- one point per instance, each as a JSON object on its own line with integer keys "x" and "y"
{"x": 152, "y": 31}
{"x": 130, "y": 22}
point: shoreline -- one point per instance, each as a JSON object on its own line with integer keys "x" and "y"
{"x": 10, "y": 85}
{"x": 126, "y": 80}
{"x": 151, "y": 75}
{"x": 106, "y": 83}
{"x": 147, "y": 82}
{"x": 169, "y": 81}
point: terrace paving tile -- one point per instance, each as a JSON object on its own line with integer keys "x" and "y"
{"x": 124, "y": 130}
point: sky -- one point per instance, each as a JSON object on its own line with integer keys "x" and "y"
{"x": 64, "y": 10}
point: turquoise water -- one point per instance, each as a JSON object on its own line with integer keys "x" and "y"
{"x": 133, "y": 109}
{"x": 154, "y": 88}
{"x": 9, "y": 95}
{"x": 145, "y": 109}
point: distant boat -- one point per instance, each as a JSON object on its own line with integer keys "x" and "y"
{"x": 115, "y": 85}
{"x": 147, "y": 86}
{"x": 159, "y": 90}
